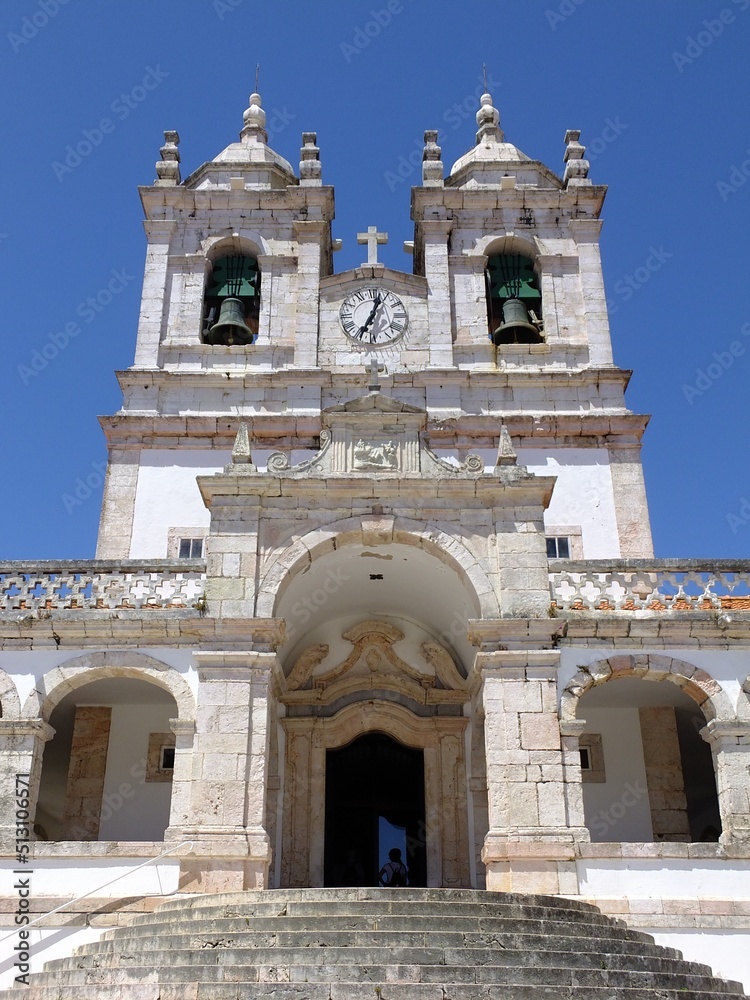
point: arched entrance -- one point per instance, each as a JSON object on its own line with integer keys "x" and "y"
{"x": 374, "y": 802}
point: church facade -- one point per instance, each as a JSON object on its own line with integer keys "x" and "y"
{"x": 375, "y": 570}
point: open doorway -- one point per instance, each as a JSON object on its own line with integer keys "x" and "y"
{"x": 374, "y": 802}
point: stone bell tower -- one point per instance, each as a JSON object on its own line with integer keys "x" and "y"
{"x": 376, "y": 466}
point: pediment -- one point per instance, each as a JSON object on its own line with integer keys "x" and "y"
{"x": 373, "y": 664}
{"x": 373, "y": 402}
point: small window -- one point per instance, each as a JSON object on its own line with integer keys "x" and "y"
{"x": 558, "y": 547}
{"x": 166, "y": 761}
{"x": 585, "y": 759}
{"x": 592, "y": 758}
{"x": 191, "y": 548}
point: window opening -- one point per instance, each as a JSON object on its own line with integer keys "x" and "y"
{"x": 166, "y": 760}
{"x": 514, "y": 302}
{"x": 232, "y": 305}
{"x": 191, "y": 548}
{"x": 558, "y": 547}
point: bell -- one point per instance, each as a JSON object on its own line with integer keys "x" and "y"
{"x": 231, "y": 327}
{"x": 516, "y": 328}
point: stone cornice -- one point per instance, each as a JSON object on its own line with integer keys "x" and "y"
{"x": 135, "y": 629}
{"x": 585, "y": 430}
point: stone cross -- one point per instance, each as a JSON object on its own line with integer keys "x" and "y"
{"x": 374, "y": 385}
{"x": 372, "y": 237}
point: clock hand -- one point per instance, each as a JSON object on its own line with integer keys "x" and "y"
{"x": 371, "y": 317}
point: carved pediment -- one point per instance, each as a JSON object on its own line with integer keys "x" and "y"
{"x": 373, "y": 664}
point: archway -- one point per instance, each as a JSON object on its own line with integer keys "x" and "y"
{"x": 374, "y": 803}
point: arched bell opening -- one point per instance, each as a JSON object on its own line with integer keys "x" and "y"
{"x": 231, "y": 309}
{"x": 107, "y": 772}
{"x": 648, "y": 775}
{"x": 375, "y": 803}
{"x": 514, "y": 301}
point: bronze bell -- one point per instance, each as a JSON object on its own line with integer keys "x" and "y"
{"x": 516, "y": 327}
{"x": 231, "y": 328}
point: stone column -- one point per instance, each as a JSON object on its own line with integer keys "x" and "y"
{"x": 185, "y": 316}
{"x": 231, "y": 556}
{"x": 231, "y": 849}
{"x": 631, "y": 503}
{"x": 154, "y": 293}
{"x": 182, "y": 776}
{"x": 436, "y": 233}
{"x": 277, "y": 301}
{"x": 730, "y": 744}
{"x": 118, "y": 505}
{"x": 530, "y": 843}
{"x": 310, "y": 236}
{"x": 470, "y": 300}
{"x": 586, "y": 234}
{"x": 21, "y": 748}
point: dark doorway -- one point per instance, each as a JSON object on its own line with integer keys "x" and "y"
{"x": 374, "y": 802}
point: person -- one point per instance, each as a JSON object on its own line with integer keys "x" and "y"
{"x": 394, "y": 872}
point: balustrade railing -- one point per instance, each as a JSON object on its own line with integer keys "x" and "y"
{"x": 101, "y": 584}
{"x": 650, "y": 585}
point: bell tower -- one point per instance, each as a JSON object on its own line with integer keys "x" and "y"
{"x": 502, "y": 321}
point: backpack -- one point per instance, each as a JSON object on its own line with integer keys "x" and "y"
{"x": 398, "y": 874}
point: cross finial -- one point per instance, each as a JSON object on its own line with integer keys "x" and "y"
{"x": 372, "y": 238}
{"x": 374, "y": 385}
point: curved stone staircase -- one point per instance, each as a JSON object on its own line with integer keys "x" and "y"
{"x": 379, "y": 944}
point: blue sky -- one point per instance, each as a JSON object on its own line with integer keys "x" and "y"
{"x": 659, "y": 89}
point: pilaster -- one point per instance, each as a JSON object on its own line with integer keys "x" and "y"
{"x": 231, "y": 849}
{"x": 154, "y": 296}
{"x": 586, "y": 234}
{"x": 436, "y": 233}
{"x": 21, "y": 748}
{"x": 730, "y": 745}
{"x": 310, "y": 236}
{"x": 530, "y": 843}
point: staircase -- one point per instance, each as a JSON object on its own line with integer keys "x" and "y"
{"x": 375, "y": 944}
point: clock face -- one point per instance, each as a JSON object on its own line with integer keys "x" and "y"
{"x": 373, "y": 316}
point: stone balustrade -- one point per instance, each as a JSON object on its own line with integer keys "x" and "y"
{"x": 657, "y": 585}
{"x": 100, "y": 584}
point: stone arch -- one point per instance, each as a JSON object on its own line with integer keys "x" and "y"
{"x": 350, "y": 531}
{"x": 10, "y": 703}
{"x": 441, "y": 738}
{"x": 696, "y": 683}
{"x": 248, "y": 242}
{"x": 494, "y": 244}
{"x": 82, "y": 670}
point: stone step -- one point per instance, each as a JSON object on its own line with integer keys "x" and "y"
{"x": 204, "y": 933}
{"x": 310, "y": 971}
{"x": 379, "y": 944}
{"x": 358, "y": 991}
{"x": 369, "y": 910}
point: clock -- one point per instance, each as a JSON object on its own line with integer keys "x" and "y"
{"x": 373, "y": 316}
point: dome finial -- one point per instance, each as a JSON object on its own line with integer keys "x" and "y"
{"x": 488, "y": 117}
{"x": 255, "y": 116}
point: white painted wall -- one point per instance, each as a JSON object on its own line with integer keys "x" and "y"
{"x": 133, "y": 808}
{"x": 668, "y": 878}
{"x": 582, "y": 495}
{"x": 728, "y": 954}
{"x": 618, "y": 808}
{"x": 167, "y": 494}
